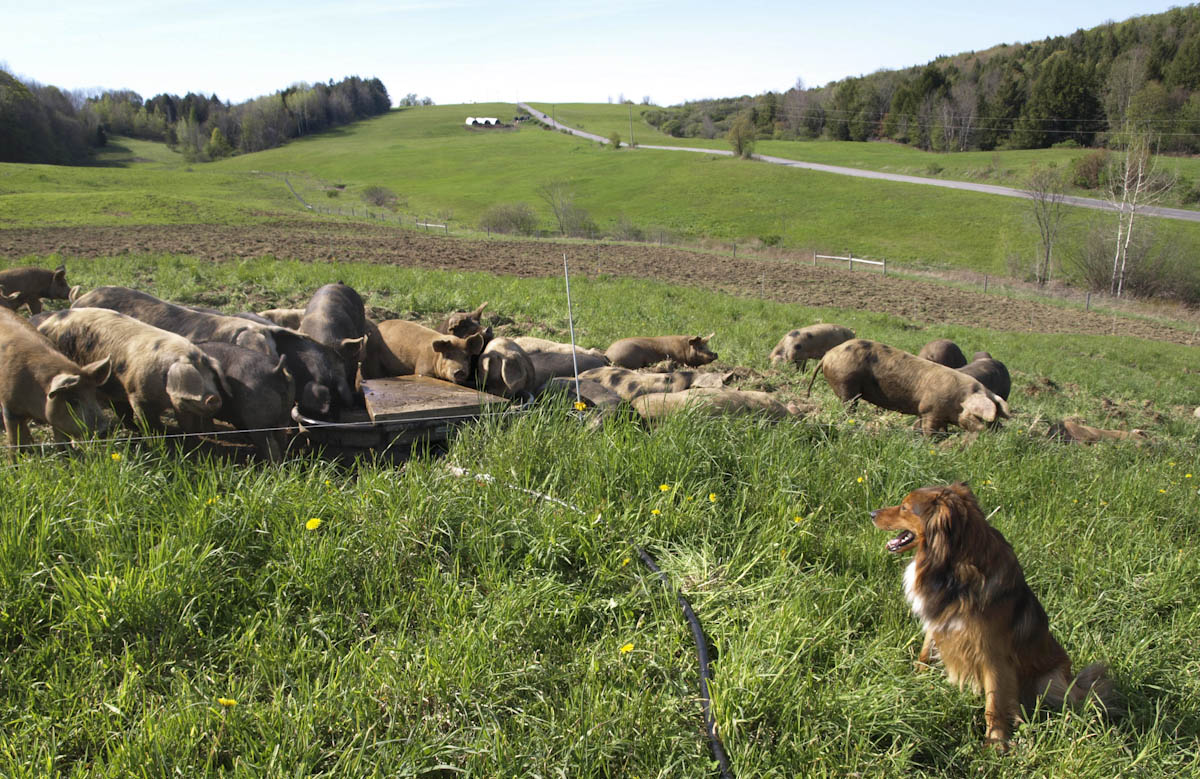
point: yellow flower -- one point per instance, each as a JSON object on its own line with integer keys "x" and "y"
{"x": 712, "y": 497}
{"x": 797, "y": 519}
{"x": 860, "y": 480}
{"x": 580, "y": 405}
{"x": 1104, "y": 503}
{"x": 1187, "y": 476}
{"x": 627, "y": 648}
{"x": 664, "y": 488}
{"x": 116, "y": 457}
{"x": 655, "y": 511}
{"x": 851, "y": 422}
{"x": 227, "y": 702}
{"x": 1076, "y": 500}
{"x": 782, "y": 554}
{"x": 1163, "y": 491}
{"x": 312, "y": 524}
{"x": 213, "y": 499}
{"x": 689, "y": 497}
{"x": 328, "y": 483}
{"x": 625, "y": 562}
{"x": 933, "y": 451}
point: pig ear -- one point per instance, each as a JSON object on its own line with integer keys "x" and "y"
{"x": 442, "y": 345}
{"x": 63, "y": 382}
{"x": 479, "y": 311}
{"x": 179, "y": 376}
{"x": 514, "y": 375}
{"x": 98, "y": 371}
{"x": 475, "y": 343}
{"x": 75, "y": 293}
{"x": 60, "y": 273}
{"x": 708, "y": 337}
{"x": 352, "y": 348}
{"x": 1002, "y": 406}
{"x": 281, "y": 367}
{"x": 981, "y": 406}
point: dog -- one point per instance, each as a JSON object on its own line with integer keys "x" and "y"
{"x": 979, "y": 615}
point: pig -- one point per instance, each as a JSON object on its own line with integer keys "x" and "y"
{"x": 255, "y": 395}
{"x": 505, "y": 369}
{"x": 335, "y": 316}
{"x": 639, "y": 352}
{"x": 39, "y": 382}
{"x": 33, "y": 284}
{"x": 322, "y": 380}
{"x": 1073, "y": 430}
{"x": 631, "y": 384}
{"x": 990, "y": 372}
{"x": 192, "y": 325}
{"x": 11, "y": 301}
{"x": 464, "y": 324}
{"x": 408, "y": 347}
{"x": 284, "y": 317}
{"x": 551, "y": 359}
{"x": 152, "y": 370}
{"x": 809, "y": 343}
{"x": 943, "y": 351}
{"x": 898, "y": 381}
{"x": 714, "y": 402}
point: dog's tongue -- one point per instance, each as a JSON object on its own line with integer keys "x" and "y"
{"x": 901, "y": 541}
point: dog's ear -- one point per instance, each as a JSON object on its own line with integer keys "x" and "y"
{"x": 963, "y": 490}
{"x": 942, "y": 527}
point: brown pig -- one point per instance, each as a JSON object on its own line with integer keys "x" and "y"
{"x": 284, "y": 317}
{"x": 1073, "y": 430}
{"x": 898, "y": 381}
{"x": 552, "y": 359}
{"x": 714, "y": 402}
{"x": 631, "y": 384}
{"x": 639, "y": 352}
{"x": 505, "y": 369}
{"x": 408, "y": 347}
{"x": 992, "y": 373}
{"x": 464, "y": 324}
{"x": 154, "y": 370}
{"x": 943, "y": 351}
{"x": 33, "y": 284}
{"x": 809, "y": 343}
{"x": 38, "y": 382}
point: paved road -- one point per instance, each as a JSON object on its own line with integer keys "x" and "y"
{"x": 987, "y": 189}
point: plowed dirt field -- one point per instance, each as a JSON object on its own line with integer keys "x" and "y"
{"x": 923, "y": 301}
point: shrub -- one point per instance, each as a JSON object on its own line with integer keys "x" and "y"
{"x": 380, "y": 196}
{"x": 510, "y": 219}
{"x": 614, "y": 139}
{"x": 625, "y": 230}
{"x": 1088, "y": 171}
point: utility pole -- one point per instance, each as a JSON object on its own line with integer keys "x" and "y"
{"x": 631, "y": 126}
{"x": 553, "y": 114}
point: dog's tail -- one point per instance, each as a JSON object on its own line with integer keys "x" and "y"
{"x": 1091, "y": 684}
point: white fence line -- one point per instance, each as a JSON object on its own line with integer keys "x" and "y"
{"x": 850, "y": 259}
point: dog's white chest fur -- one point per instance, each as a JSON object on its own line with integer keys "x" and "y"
{"x": 910, "y": 592}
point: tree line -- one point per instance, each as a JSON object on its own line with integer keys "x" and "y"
{"x": 45, "y": 124}
{"x": 1086, "y": 89}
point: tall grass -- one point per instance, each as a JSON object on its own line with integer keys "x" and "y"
{"x": 163, "y": 614}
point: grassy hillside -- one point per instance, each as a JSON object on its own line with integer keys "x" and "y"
{"x": 176, "y": 614}
{"x": 441, "y": 170}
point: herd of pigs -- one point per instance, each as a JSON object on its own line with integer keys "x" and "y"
{"x": 141, "y": 356}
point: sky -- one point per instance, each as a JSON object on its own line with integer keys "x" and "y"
{"x": 464, "y": 51}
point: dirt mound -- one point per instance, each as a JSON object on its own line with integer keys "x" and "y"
{"x": 788, "y": 282}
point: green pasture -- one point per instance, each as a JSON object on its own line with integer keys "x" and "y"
{"x": 1010, "y": 168}
{"x": 170, "y": 614}
{"x": 442, "y": 171}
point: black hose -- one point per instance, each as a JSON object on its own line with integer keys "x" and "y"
{"x": 710, "y": 724}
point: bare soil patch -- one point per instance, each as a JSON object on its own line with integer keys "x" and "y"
{"x": 926, "y": 302}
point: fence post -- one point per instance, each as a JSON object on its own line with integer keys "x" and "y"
{"x": 885, "y": 266}
{"x": 1087, "y": 306}
{"x": 814, "y": 251}
{"x": 985, "y": 281}
{"x": 849, "y": 260}
{"x": 735, "y": 248}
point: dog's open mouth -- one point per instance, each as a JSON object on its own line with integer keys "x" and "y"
{"x": 901, "y": 542}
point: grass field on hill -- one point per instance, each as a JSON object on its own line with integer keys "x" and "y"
{"x": 1010, "y": 168}
{"x": 167, "y": 614}
{"x": 443, "y": 171}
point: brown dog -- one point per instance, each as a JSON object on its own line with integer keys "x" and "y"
{"x": 968, "y": 590}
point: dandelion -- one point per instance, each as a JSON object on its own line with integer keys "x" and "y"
{"x": 580, "y": 405}
{"x": 1187, "y": 476}
{"x": 933, "y": 451}
{"x": 664, "y": 488}
{"x": 860, "y": 480}
{"x": 627, "y": 648}
{"x": 116, "y": 457}
{"x": 328, "y": 483}
{"x": 655, "y": 512}
{"x": 712, "y": 497}
{"x": 987, "y": 481}
{"x": 1163, "y": 491}
{"x": 625, "y": 562}
{"x": 213, "y": 499}
{"x": 851, "y": 422}
{"x": 312, "y": 524}
{"x": 797, "y": 520}
{"x": 689, "y": 497}
{"x": 1076, "y": 500}
{"x": 227, "y": 702}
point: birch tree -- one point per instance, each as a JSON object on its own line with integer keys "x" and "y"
{"x": 1046, "y": 192}
{"x": 1134, "y": 183}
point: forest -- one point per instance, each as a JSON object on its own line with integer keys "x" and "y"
{"x": 1090, "y": 88}
{"x": 45, "y": 124}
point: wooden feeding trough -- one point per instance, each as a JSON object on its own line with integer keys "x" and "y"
{"x": 400, "y": 412}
